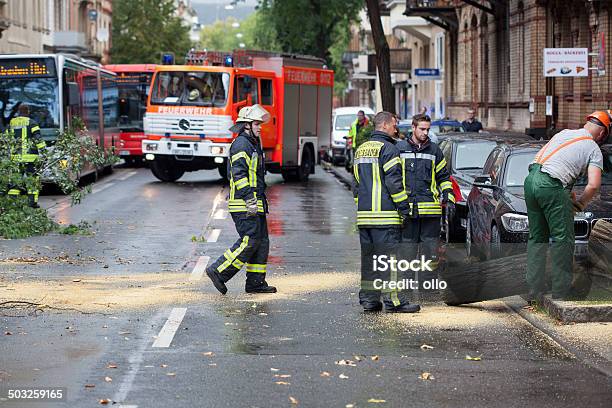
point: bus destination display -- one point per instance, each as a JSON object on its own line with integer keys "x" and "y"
{"x": 26, "y": 68}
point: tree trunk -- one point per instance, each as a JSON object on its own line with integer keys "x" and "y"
{"x": 383, "y": 56}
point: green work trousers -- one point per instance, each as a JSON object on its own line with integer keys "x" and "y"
{"x": 551, "y": 223}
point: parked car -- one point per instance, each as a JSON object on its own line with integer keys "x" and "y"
{"x": 465, "y": 155}
{"x": 342, "y": 119}
{"x": 437, "y": 129}
{"x": 497, "y": 210}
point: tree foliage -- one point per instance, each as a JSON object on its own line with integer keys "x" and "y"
{"x": 255, "y": 31}
{"x": 61, "y": 163}
{"x": 309, "y": 26}
{"x": 142, "y": 29}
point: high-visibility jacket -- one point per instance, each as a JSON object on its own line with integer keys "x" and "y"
{"x": 27, "y": 133}
{"x": 355, "y": 128}
{"x": 247, "y": 174}
{"x": 425, "y": 176}
{"x": 379, "y": 193}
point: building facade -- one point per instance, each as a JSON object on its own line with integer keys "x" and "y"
{"x": 495, "y": 56}
{"x": 81, "y": 27}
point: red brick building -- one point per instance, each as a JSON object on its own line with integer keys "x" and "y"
{"x": 495, "y": 59}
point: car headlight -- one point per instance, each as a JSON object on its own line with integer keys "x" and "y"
{"x": 216, "y": 150}
{"x": 515, "y": 222}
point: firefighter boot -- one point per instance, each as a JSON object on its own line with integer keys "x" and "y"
{"x": 256, "y": 283}
{"x": 216, "y": 279}
{"x": 404, "y": 308}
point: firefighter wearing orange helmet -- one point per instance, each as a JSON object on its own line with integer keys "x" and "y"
{"x": 551, "y": 205}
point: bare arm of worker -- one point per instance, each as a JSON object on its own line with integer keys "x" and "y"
{"x": 594, "y": 182}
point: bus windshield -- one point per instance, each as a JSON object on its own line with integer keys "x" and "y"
{"x": 133, "y": 92}
{"x": 191, "y": 88}
{"x": 40, "y": 94}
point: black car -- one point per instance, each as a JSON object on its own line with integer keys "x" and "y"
{"x": 497, "y": 209}
{"x": 465, "y": 155}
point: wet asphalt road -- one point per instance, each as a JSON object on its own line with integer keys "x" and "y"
{"x": 132, "y": 321}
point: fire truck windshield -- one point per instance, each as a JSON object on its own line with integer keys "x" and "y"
{"x": 191, "y": 88}
{"x": 40, "y": 94}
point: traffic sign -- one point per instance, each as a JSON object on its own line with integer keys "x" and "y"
{"x": 427, "y": 74}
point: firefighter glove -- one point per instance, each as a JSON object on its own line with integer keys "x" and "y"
{"x": 251, "y": 205}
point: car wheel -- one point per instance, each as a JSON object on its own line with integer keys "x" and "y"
{"x": 495, "y": 249}
{"x": 473, "y": 249}
{"x": 468, "y": 237}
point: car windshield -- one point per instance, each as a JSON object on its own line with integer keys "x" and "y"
{"x": 472, "y": 155}
{"x": 344, "y": 122}
{"x": 191, "y": 88}
{"x": 517, "y": 168}
{"x": 606, "y": 176}
{"x": 133, "y": 92}
{"x": 40, "y": 94}
{"x": 440, "y": 129}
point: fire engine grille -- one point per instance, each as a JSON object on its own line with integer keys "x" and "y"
{"x": 209, "y": 125}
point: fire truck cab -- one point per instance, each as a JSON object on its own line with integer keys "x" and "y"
{"x": 191, "y": 108}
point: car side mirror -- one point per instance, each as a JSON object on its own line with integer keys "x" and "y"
{"x": 483, "y": 181}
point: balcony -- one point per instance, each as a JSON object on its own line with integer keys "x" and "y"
{"x": 69, "y": 42}
{"x": 428, "y": 7}
{"x": 438, "y": 12}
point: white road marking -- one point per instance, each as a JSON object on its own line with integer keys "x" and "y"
{"x": 134, "y": 361}
{"x": 127, "y": 406}
{"x": 220, "y": 214}
{"x": 127, "y": 176}
{"x": 102, "y": 187}
{"x": 218, "y": 199}
{"x": 213, "y": 235}
{"x": 199, "y": 268}
{"x": 169, "y": 330}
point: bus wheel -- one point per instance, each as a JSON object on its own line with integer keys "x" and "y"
{"x": 166, "y": 173}
{"x": 307, "y": 164}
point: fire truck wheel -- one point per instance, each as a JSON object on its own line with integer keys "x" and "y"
{"x": 223, "y": 171}
{"x": 166, "y": 173}
{"x": 307, "y": 164}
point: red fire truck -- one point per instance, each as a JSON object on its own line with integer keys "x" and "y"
{"x": 191, "y": 107}
{"x": 133, "y": 81}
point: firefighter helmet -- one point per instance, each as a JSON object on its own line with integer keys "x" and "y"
{"x": 253, "y": 113}
{"x": 193, "y": 95}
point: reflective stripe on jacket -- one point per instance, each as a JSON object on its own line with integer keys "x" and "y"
{"x": 27, "y": 132}
{"x": 379, "y": 191}
{"x": 247, "y": 174}
{"x": 425, "y": 175}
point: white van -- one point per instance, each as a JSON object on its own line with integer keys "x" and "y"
{"x": 342, "y": 119}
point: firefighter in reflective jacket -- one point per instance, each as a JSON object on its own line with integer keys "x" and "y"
{"x": 382, "y": 205}
{"x": 427, "y": 178}
{"x": 247, "y": 205}
{"x": 30, "y": 145}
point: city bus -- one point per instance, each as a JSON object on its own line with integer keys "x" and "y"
{"x": 59, "y": 88}
{"x": 133, "y": 81}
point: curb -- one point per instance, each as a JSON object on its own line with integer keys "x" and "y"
{"x": 572, "y": 312}
{"x": 599, "y": 363}
{"x": 340, "y": 173}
